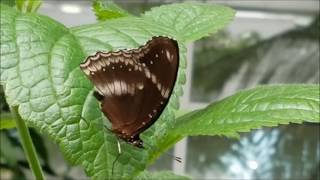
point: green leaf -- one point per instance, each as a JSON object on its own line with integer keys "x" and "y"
{"x": 28, "y": 5}
{"x": 40, "y": 72}
{"x": 105, "y": 10}
{"x": 255, "y": 108}
{"x": 191, "y": 21}
{"x": 6, "y": 121}
{"x": 160, "y": 175}
{"x": 11, "y": 3}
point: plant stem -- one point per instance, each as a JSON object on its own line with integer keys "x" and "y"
{"x": 27, "y": 145}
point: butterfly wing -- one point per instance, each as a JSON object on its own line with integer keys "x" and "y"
{"x": 161, "y": 58}
{"x": 135, "y": 85}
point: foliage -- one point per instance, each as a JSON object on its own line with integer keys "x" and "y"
{"x": 105, "y": 10}
{"x": 40, "y": 73}
{"x": 28, "y": 5}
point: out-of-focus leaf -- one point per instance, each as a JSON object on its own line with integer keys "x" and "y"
{"x": 28, "y": 5}
{"x": 7, "y": 121}
{"x": 106, "y": 9}
{"x": 10, "y": 3}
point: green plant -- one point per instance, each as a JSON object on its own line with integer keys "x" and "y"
{"x": 45, "y": 87}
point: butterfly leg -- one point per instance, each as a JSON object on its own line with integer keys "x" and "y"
{"x": 119, "y": 149}
{"x": 120, "y": 152}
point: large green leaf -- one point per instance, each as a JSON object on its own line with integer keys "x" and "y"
{"x": 40, "y": 72}
{"x": 255, "y": 108}
{"x": 191, "y": 21}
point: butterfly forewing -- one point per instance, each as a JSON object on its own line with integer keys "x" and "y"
{"x": 134, "y": 85}
{"x": 161, "y": 59}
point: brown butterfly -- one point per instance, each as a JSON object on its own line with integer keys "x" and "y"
{"x": 134, "y": 86}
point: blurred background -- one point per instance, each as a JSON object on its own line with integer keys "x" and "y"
{"x": 269, "y": 42}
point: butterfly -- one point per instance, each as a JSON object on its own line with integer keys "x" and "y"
{"x": 134, "y": 86}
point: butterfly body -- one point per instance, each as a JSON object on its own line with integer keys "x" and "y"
{"x": 134, "y": 86}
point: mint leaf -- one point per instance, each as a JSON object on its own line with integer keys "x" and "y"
{"x": 40, "y": 72}
{"x": 28, "y": 5}
{"x": 191, "y": 21}
{"x": 255, "y": 108}
{"x": 105, "y": 10}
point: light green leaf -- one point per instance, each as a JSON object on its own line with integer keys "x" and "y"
{"x": 191, "y": 21}
{"x": 255, "y": 108}
{"x": 106, "y": 9}
{"x": 28, "y": 5}
{"x": 160, "y": 175}
{"x": 40, "y": 70}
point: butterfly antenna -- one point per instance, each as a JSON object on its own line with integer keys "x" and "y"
{"x": 176, "y": 158}
{"x": 119, "y": 150}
